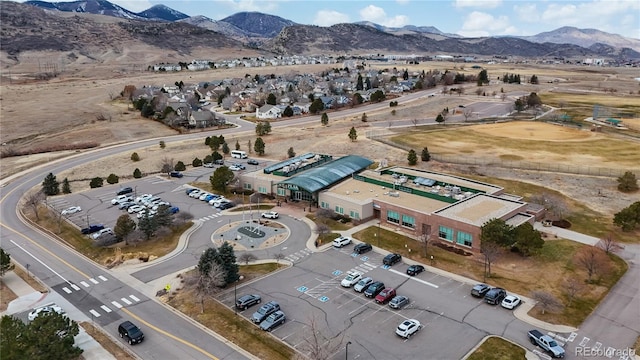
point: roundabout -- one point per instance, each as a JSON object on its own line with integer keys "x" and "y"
{"x": 251, "y": 234}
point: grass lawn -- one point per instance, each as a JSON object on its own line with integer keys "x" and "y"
{"x": 334, "y": 225}
{"x": 544, "y": 271}
{"x": 495, "y": 348}
{"x": 234, "y": 328}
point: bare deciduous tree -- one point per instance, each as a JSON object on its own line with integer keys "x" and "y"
{"x": 555, "y": 206}
{"x": 317, "y": 344}
{"x": 414, "y": 121}
{"x": 572, "y": 288}
{"x": 608, "y": 244}
{"x": 278, "y": 257}
{"x": 246, "y": 258}
{"x": 425, "y": 239}
{"x": 467, "y": 114}
{"x": 491, "y": 252}
{"x": 324, "y": 214}
{"x": 33, "y": 200}
{"x": 182, "y": 217}
{"x": 546, "y": 301}
{"x": 322, "y": 228}
{"x": 593, "y": 260}
{"x": 166, "y": 165}
{"x": 211, "y": 283}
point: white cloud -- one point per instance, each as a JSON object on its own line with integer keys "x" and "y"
{"x": 330, "y": 17}
{"x": 482, "y": 24}
{"x": 379, "y": 16}
{"x": 559, "y": 12}
{"x": 527, "y": 12}
{"x": 403, "y": 2}
{"x": 133, "y": 5}
{"x": 485, "y": 4}
{"x": 617, "y": 16}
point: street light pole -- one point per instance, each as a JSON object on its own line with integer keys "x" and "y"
{"x": 346, "y": 351}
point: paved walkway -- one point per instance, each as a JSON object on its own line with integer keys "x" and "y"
{"x": 28, "y": 298}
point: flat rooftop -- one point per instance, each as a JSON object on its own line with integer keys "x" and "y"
{"x": 449, "y": 179}
{"x": 479, "y": 209}
{"x": 363, "y": 192}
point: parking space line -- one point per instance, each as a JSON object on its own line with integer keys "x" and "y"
{"x": 373, "y": 313}
{"x": 359, "y": 307}
{"x": 413, "y": 278}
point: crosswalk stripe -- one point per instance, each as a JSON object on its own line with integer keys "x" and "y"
{"x": 105, "y": 308}
{"x": 75, "y": 287}
{"x": 134, "y": 298}
{"x": 93, "y": 280}
{"x": 126, "y": 301}
{"x": 94, "y": 313}
{"x": 102, "y": 278}
{"x": 66, "y": 289}
{"x": 116, "y": 304}
{"x": 84, "y": 283}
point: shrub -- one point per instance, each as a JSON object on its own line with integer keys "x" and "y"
{"x": 96, "y": 182}
{"x": 196, "y": 162}
{"x": 180, "y": 166}
{"x": 137, "y": 174}
{"x": 113, "y": 179}
{"x": 135, "y": 157}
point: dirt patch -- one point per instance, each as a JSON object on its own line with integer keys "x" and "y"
{"x": 533, "y": 131}
{"x": 7, "y": 296}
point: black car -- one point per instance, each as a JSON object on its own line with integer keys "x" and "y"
{"x": 247, "y": 301}
{"x": 130, "y": 332}
{"x": 415, "y": 270}
{"x": 480, "y": 290}
{"x": 124, "y": 191}
{"x": 362, "y": 248}
{"x": 264, "y": 311}
{"x": 391, "y": 259}
{"x": 218, "y": 162}
{"x": 374, "y": 289}
{"x": 176, "y": 174}
{"x": 252, "y": 162}
{"x": 226, "y": 205}
{"x": 92, "y": 228}
{"x": 495, "y": 296}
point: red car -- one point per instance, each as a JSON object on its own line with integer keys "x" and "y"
{"x": 385, "y": 295}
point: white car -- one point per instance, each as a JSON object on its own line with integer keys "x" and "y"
{"x": 341, "y": 241}
{"x": 120, "y": 199}
{"x": 351, "y": 279}
{"x": 142, "y": 214}
{"x": 203, "y": 196}
{"x": 510, "y": 302}
{"x": 44, "y": 310}
{"x": 135, "y": 209}
{"x": 71, "y": 210}
{"x": 99, "y": 233}
{"x": 220, "y": 202}
{"x": 270, "y": 215}
{"x": 143, "y": 197}
{"x": 234, "y": 168}
{"x": 208, "y": 165}
{"x": 408, "y": 328}
{"x": 195, "y": 193}
{"x": 362, "y": 284}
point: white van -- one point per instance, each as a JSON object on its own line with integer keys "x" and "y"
{"x": 238, "y": 154}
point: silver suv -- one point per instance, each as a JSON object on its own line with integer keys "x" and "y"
{"x": 362, "y": 284}
{"x": 264, "y": 311}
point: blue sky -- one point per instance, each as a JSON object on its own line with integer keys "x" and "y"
{"x": 463, "y": 17}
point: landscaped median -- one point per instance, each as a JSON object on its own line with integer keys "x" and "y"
{"x": 496, "y": 348}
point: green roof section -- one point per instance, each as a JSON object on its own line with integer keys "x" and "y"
{"x": 326, "y": 175}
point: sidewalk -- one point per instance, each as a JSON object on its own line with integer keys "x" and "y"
{"x": 28, "y": 298}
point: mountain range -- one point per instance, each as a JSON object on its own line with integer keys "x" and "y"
{"x": 273, "y": 34}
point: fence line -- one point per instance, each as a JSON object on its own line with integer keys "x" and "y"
{"x": 381, "y": 136}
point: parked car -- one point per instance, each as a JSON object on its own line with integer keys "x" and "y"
{"x": 242, "y": 167}
{"x": 174, "y": 209}
{"x": 195, "y": 194}
{"x": 203, "y": 196}
{"x": 399, "y": 301}
{"x": 264, "y": 311}
{"x": 71, "y": 210}
{"x": 510, "y": 302}
{"x": 341, "y": 241}
{"x": 215, "y": 199}
{"x": 130, "y": 332}
{"x": 273, "y": 321}
{"x": 495, "y": 296}
{"x": 408, "y": 328}
{"x": 385, "y": 295}
{"x": 247, "y": 301}
{"x": 219, "y": 203}
{"x": 391, "y": 259}
{"x": 120, "y": 199}
{"x": 135, "y": 209}
{"x": 362, "y": 248}
{"x": 351, "y": 279}
{"x": 142, "y": 198}
{"x": 189, "y": 190}
{"x": 176, "y": 174}
{"x": 270, "y": 215}
{"x": 218, "y": 162}
{"x": 374, "y": 289}
{"x": 546, "y": 342}
{"x": 225, "y": 205}
{"x": 99, "y": 233}
{"x": 234, "y": 168}
{"x": 208, "y": 165}
{"x": 208, "y": 198}
{"x": 362, "y": 284}
{"x": 415, "y": 270}
{"x": 44, "y": 310}
{"x": 253, "y": 162}
{"x": 92, "y": 228}
{"x": 126, "y": 205}
{"x": 124, "y": 190}
{"x": 480, "y": 290}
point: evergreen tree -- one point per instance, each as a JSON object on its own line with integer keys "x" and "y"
{"x": 96, "y": 182}
{"x": 271, "y": 99}
{"x": 439, "y": 119}
{"x": 412, "y": 157}
{"x": 628, "y": 182}
{"x": 180, "y": 166}
{"x": 425, "y": 156}
{"x": 249, "y": 147}
{"x": 135, "y": 157}
{"x": 208, "y": 257}
{"x": 5, "y": 261}
{"x": 66, "y": 187}
{"x": 50, "y": 185}
{"x": 124, "y": 226}
{"x": 534, "y": 79}
{"x": 216, "y": 156}
{"x": 113, "y": 179}
{"x": 227, "y": 259}
{"x": 628, "y": 218}
{"x": 196, "y": 162}
{"x": 405, "y": 75}
{"x": 353, "y": 135}
{"x": 258, "y": 146}
{"x": 237, "y": 145}
{"x": 220, "y": 178}
{"x": 291, "y": 153}
{"x": 148, "y": 225}
{"x": 359, "y": 84}
{"x": 324, "y": 119}
{"x": 137, "y": 174}
{"x": 214, "y": 143}
{"x": 316, "y": 106}
{"x": 364, "y": 117}
{"x": 225, "y": 149}
{"x": 162, "y": 144}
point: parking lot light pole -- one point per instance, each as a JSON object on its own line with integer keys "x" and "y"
{"x": 235, "y": 297}
{"x": 346, "y": 351}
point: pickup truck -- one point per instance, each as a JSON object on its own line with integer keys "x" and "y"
{"x": 547, "y": 343}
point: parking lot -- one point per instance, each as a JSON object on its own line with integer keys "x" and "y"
{"x": 453, "y": 320}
